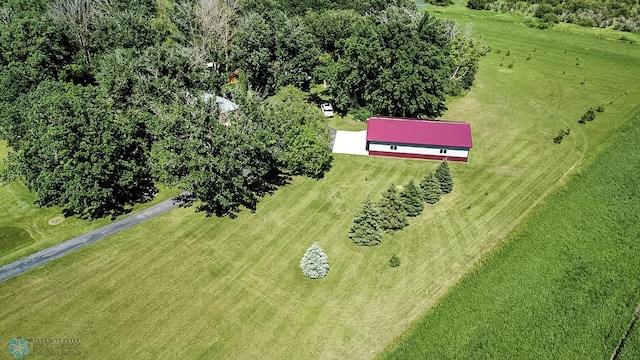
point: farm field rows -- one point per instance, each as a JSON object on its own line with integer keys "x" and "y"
{"x": 187, "y": 286}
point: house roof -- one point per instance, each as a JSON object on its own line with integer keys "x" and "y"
{"x": 419, "y": 132}
{"x": 225, "y": 105}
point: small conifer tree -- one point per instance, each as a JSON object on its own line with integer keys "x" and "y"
{"x": 366, "y": 229}
{"x": 314, "y": 263}
{"x": 443, "y": 174}
{"x": 393, "y": 216}
{"x": 412, "y": 199}
{"x": 431, "y": 189}
{"x": 394, "y": 261}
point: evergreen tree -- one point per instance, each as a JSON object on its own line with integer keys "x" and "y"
{"x": 412, "y": 199}
{"x": 366, "y": 229}
{"x": 314, "y": 263}
{"x": 444, "y": 177}
{"x": 393, "y": 216}
{"x": 431, "y": 189}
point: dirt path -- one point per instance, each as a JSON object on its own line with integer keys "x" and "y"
{"x": 44, "y": 256}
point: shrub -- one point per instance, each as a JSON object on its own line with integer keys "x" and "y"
{"x": 478, "y": 4}
{"x": 366, "y": 230}
{"x": 590, "y": 115}
{"x": 394, "y": 261}
{"x": 559, "y": 137}
{"x": 550, "y": 18}
{"x": 443, "y": 174}
{"x": 600, "y": 109}
{"x": 360, "y": 114}
{"x": 412, "y": 199}
{"x": 542, "y": 10}
{"x": 314, "y": 263}
{"x": 442, "y": 2}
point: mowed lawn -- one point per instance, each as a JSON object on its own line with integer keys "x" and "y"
{"x": 20, "y": 216}
{"x": 186, "y": 286}
{"x": 566, "y": 288}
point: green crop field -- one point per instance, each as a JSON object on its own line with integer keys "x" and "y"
{"x": 186, "y": 286}
{"x": 631, "y": 349}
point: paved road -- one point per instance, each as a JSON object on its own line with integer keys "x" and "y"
{"x": 44, "y": 256}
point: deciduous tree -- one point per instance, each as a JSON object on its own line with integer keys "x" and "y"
{"x": 79, "y": 154}
{"x": 225, "y": 168}
{"x": 301, "y": 132}
{"x": 275, "y": 52}
{"x": 79, "y": 18}
{"x": 396, "y": 63}
{"x": 157, "y": 75}
{"x": 217, "y": 24}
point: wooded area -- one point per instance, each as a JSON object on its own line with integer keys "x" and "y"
{"x": 621, "y": 15}
{"x": 101, "y": 100}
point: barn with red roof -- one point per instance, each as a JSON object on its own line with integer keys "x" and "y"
{"x": 422, "y": 139}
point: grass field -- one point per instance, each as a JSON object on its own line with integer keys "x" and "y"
{"x": 346, "y": 123}
{"x": 17, "y": 210}
{"x": 12, "y": 238}
{"x": 631, "y": 349}
{"x": 565, "y": 289}
{"x": 187, "y": 286}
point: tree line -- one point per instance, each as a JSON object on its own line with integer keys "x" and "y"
{"x": 101, "y": 100}
{"x": 621, "y": 15}
{"x": 391, "y": 212}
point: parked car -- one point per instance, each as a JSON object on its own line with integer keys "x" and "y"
{"x": 327, "y": 110}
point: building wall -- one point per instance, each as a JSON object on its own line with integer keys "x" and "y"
{"x": 427, "y": 152}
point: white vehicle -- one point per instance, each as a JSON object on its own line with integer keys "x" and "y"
{"x": 327, "y": 110}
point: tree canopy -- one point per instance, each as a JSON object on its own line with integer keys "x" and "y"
{"x": 102, "y": 100}
{"x": 75, "y": 152}
{"x": 400, "y": 63}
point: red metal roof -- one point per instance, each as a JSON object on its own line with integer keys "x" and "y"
{"x": 419, "y": 132}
